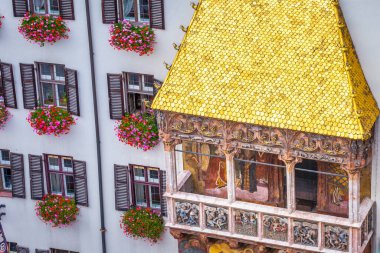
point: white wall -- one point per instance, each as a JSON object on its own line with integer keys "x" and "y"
{"x": 20, "y": 223}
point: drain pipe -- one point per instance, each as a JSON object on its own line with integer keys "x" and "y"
{"x": 98, "y": 151}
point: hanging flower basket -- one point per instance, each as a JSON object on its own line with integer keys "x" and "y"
{"x": 130, "y": 37}
{"x": 50, "y": 121}
{"x": 1, "y": 17}
{"x": 142, "y": 223}
{"x": 56, "y": 210}
{"x": 4, "y": 115}
{"x": 138, "y": 130}
{"x": 43, "y": 29}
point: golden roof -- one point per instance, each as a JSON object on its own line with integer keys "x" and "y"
{"x": 279, "y": 63}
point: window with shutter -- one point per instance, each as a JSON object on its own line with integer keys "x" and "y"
{"x": 164, "y": 206}
{"x": 71, "y": 80}
{"x": 6, "y": 173}
{"x": 145, "y": 187}
{"x": 12, "y": 247}
{"x": 115, "y": 94}
{"x": 60, "y": 175}
{"x": 156, "y": 14}
{"x": 28, "y": 81}
{"x": 80, "y": 179}
{"x": 66, "y": 9}
{"x": 109, "y": 11}
{"x": 20, "y": 7}
{"x": 36, "y": 177}
{"x": 122, "y": 197}
{"x": 22, "y": 250}
{"x": 7, "y": 86}
{"x": 17, "y": 175}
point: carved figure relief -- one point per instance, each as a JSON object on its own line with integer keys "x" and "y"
{"x": 246, "y": 223}
{"x": 336, "y": 238}
{"x": 216, "y": 218}
{"x": 187, "y": 213}
{"x": 305, "y": 233}
{"x": 275, "y": 227}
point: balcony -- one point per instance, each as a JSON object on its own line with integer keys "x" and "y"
{"x": 251, "y": 223}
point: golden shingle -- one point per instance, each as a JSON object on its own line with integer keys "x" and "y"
{"x": 288, "y": 64}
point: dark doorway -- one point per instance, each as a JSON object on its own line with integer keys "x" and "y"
{"x": 306, "y": 185}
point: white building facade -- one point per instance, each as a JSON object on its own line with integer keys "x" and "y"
{"x": 21, "y": 225}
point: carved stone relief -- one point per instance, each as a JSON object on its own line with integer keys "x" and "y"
{"x": 265, "y": 139}
{"x": 216, "y": 218}
{"x": 305, "y": 233}
{"x": 336, "y": 238}
{"x": 187, "y": 213}
{"x": 275, "y": 228}
{"x": 246, "y": 223}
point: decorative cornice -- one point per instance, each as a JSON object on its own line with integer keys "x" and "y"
{"x": 232, "y": 135}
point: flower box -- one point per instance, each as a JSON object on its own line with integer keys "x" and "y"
{"x": 4, "y": 115}
{"x": 1, "y": 17}
{"x": 50, "y": 121}
{"x": 138, "y": 130}
{"x": 43, "y": 29}
{"x": 137, "y": 38}
{"x": 56, "y": 210}
{"x": 142, "y": 223}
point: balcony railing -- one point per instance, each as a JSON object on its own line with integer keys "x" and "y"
{"x": 248, "y": 222}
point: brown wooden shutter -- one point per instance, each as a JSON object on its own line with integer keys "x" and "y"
{"x": 156, "y": 14}
{"x": 116, "y": 96}
{"x": 66, "y": 9}
{"x": 80, "y": 180}
{"x": 164, "y": 205}
{"x": 71, "y": 80}
{"x": 22, "y": 250}
{"x": 109, "y": 11}
{"x": 122, "y": 201}
{"x": 18, "y": 177}
{"x": 8, "y": 85}
{"x": 20, "y": 7}
{"x": 36, "y": 177}
{"x": 28, "y": 81}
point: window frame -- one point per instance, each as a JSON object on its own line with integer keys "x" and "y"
{"x": 66, "y": 251}
{"x": 134, "y": 92}
{"x": 53, "y": 82}
{"x": 2, "y": 167}
{"x": 47, "y": 8}
{"x": 146, "y": 185}
{"x": 9, "y": 244}
{"x": 60, "y": 172}
{"x": 136, "y": 8}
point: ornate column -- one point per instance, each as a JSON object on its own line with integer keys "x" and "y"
{"x": 169, "y": 147}
{"x": 290, "y": 163}
{"x": 353, "y": 191}
{"x": 171, "y": 173}
{"x": 229, "y": 153}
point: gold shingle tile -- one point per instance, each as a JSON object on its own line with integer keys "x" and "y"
{"x": 288, "y": 64}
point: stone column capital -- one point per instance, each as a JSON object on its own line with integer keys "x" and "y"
{"x": 228, "y": 150}
{"x": 169, "y": 141}
{"x": 290, "y": 161}
{"x": 351, "y": 169}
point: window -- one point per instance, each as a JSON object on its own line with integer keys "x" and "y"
{"x": 62, "y": 251}
{"x": 135, "y": 10}
{"x": 139, "y": 93}
{"x": 60, "y": 175}
{"x": 12, "y": 247}
{"x": 55, "y": 85}
{"x": 63, "y": 8}
{"x": 140, "y": 11}
{"x": 5, "y": 170}
{"x": 146, "y": 187}
{"x": 129, "y": 93}
{"x": 52, "y": 84}
{"x": 45, "y": 6}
